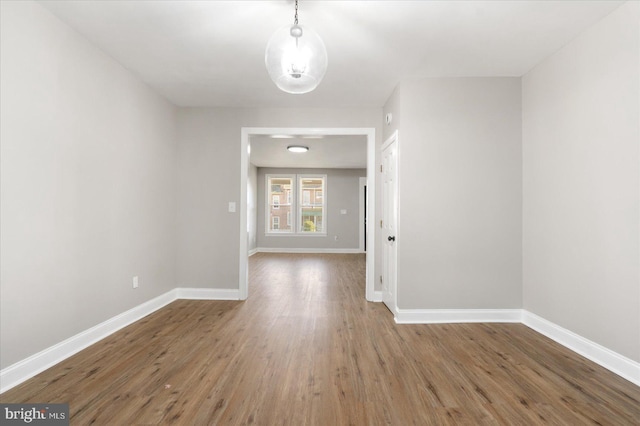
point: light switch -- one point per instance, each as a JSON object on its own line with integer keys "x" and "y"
{"x": 343, "y": 211}
{"x": 232, "y": 207}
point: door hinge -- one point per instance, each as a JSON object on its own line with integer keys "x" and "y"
{"x": 380, "y": 279}
{"x": 380, "y": 168}
{"x": 380, "y": 224}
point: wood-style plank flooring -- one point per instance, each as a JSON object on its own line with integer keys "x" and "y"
{"x": 307, "y": 349}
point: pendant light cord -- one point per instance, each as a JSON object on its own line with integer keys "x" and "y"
{"x": 295, "y": 18}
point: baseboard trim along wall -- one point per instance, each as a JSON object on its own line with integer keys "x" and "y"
{"x": 308, "y": 250}
{"x": 37, "y": 363}
{"x": 208, "y": 293}
{"x": 612, "y": 361}
{"x": 252, "y": 252}
{"x": 29, "y": 367}
{"x": 437, "y": 316}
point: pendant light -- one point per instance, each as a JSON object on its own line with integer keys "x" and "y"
{"x": 296, "y": 58}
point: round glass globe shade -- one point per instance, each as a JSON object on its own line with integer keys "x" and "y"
{"x": 296, "y": 63}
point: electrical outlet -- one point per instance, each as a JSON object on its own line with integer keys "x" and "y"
{"x": 135, "y": 282}
{"x": 335, "y": 238}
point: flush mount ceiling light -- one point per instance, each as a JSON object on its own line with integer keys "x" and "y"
{"x": 296, "y": 58}
{"x": 282, "y": 136}
{"x": 298, "y": 148}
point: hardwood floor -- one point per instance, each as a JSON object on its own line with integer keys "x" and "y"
{"x": 307, "y": 349}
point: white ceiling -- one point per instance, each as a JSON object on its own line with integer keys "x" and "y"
{"x": 211, "y": 53}
{"x": 327, "y": 152}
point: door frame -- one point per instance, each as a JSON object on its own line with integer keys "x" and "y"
{"x": 245, "y": 147}
{"x": 393, "y": 288}
{"x": 362, "y": 187}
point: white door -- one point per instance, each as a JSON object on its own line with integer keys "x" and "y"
{"x": 389, "y": 220}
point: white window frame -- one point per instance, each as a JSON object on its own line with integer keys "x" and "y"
{"x": 269, "y": 202}
{"x": 300, "y": 229}
{"x": 294, "y": 221}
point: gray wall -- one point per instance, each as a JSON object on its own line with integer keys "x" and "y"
{"x": 460, "y": 192}
{"x": 209, "y": 177}
{"x": 342, "y": 193}
{"x": 88, "y": 185}
{"x": 581, "y": 193}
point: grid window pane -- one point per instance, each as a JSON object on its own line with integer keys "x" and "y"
{"x": 312, "y": 207}
{"x": 312, "y": 219}
{"x": 279, "y": 207}
{"x": 280, "y": 216}
{"x": 295, "y": 204}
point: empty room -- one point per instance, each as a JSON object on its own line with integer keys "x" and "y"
{"x": 305, "y": 212}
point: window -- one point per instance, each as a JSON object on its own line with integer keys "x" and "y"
{"x": 312, "y": 209}
{"x": 279, "y": 207}
{"x": 308, "y": 204}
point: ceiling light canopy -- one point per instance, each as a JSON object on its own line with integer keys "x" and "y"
{"x": 298, "y": 148}
{"x": 296, "y": 58}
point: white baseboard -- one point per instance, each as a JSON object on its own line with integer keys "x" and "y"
{"x": 208, "y": 293}
{"x": 308, "y": 250}
{"x": 612, "y": 361}
{"x": 29, "y": 367}
{"x": 622, "y": 366}
{"x": 434, "y": 316}
{"x": 377, "y": 296}
{"x": 252, "y": 252}
{"x": 37, "y": 363}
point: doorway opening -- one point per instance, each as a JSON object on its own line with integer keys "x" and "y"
{"x": 245, "y": 167}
